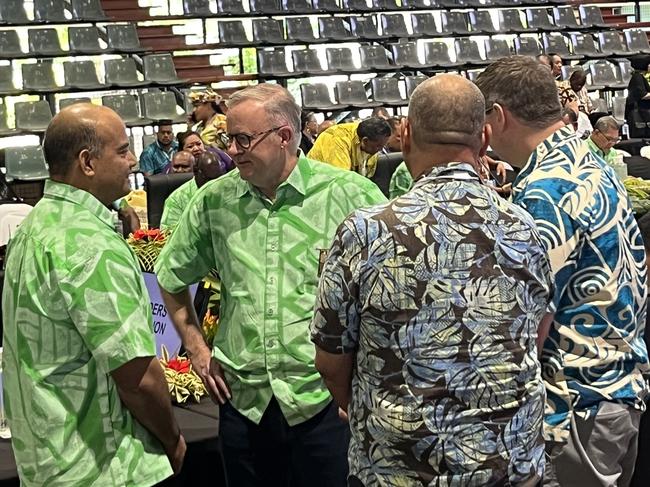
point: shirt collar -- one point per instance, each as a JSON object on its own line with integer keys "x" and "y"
{"x": 541, "y": 151}
{"x": 594, "y": 147}
{"x": 452, "y": 170}
{"x": 298, "y": 179}
{"x": 172, "y": 147}
{"x": 62, "y": 191}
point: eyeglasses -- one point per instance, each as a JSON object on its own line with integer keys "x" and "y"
{"x": 611, "y": 140}
{"x": 244, "y": 140}
{"x": 489, "y": 110}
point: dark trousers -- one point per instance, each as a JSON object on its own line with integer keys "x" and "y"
{"x": 310, "y": 454}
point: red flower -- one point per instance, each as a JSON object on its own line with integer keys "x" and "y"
{"x": 180, "y": 366}
{"x": 139, "y": 234}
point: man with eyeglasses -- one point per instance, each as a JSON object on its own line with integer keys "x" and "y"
{"x": 265, "y": 228}
{"x": 594, "y": 359}
{"x": 603, "y": 139}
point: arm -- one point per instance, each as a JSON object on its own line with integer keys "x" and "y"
{"x": 181, "y": 309}
{"x": 146, "y": 162}
{"x": 336, "y": 371}
{"x": 143, "y": 389}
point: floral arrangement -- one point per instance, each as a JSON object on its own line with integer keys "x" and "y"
{"x": 183, "y": 382}
{"x": 147, "y": 245}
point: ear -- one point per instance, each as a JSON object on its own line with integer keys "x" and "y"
{"x": 486, "y": 136}
{"x": 86, "y": 163}
{"x": 405, "y": 136}
{"x": 285, "y": 134}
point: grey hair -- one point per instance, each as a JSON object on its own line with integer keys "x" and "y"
{"x": 280, "y": 106}
{"x": 447, "y": 109}
{"x": 606, "y": 123}
{"x": 525, "y": 88}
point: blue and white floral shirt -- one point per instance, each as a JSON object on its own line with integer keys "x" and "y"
{"x": 595, "y": 350}
{"x": 439, "y": 293}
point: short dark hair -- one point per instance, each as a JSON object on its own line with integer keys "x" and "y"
{"x": 182, "y": 136}
{"x": 374, "y": 129}
{"x": 394, "y": 122}
{"x": 578, "y": 76}
{"x": 304, "y": 118}
{"x": 164, "y": 123}
{"x": 524, "y": 87}
{"x": 65, "y": 139}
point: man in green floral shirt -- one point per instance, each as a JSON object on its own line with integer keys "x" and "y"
{"x": 265, "y": 229}
{"x": 85, "y": 397}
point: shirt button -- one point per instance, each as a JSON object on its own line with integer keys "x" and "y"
{"x": 272, "y": 280}
{"x": 274, "y": 246}
{"x": 270, "y": 311}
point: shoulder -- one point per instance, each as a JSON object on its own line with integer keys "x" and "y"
{"x": 340, "y": 179}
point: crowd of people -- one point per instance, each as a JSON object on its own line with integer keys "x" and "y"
{"x": 445, "y": 336}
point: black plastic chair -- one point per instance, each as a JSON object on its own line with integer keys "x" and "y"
{"x": 307, "y": 61}
{"x": 4, "y": 125}
{"x": 405, "y": 55}
{"x": 123, "y": 73}
{"x": 385, "y": 5}
{"x": 454, "y": 22}
{"x": 417, "y": 5}
{"x": 436, "y": 54}
{"x": 300, "y": 29}
{"x": 160, "y": 69}
{"x": 84, "y": 40}
{"x": 527, "y": 46}
{"x": 565, "y": 18}
{"x": 25, "y": 164}
{"x": 510, "y": 21}
{"x": 352, "y": 94}
{"x": 161, "y": 105}
{"x": 88, "y": 10}
{"x": 356, "y": 6}
{"x": 340, "y": 59}
{"x": 374, "y": 58}
{"x": 610, "y": 43}
{"x": 583, "y": 45}
{"x": 459, "y": 3}
{"x": 81, "y": 75}
{"x": 158, "y": 188}
{"x": 272, "y": 62}
{"x": 424, "y": 25}
{"x": 364, "y": 28}
{"x": 13, "y": 12}
{"x": 296, "y": 6}
{"x": 7, "y": 86}
{"x": 269, "y": 7}
{"x": 637, "y": 41}
{"x": 316, "y": 96}
{"x": 334, "y": 28}
{"x": 413, "y": 82}
{"x": 49, "y": 11}
{"x": 32, "y": 116}
{"x": 44, "y": 42}
{"x": 232, "y": 33}
{"x": 496, "y": 49}
{"x": 604, "y": 76}
{"x": 126, "y": 106}
{"x": 66, "y": 102}
{"x": 481, "y": 22}
{"x": 326, "y": 6}
{"x": 268, "y": 31}
{"x": 386, "y": 91}
{"x": 556, "y": 43}
{"x": 10, "y": 44}
{"x": 591, "y": 16}
{"x": 197, "y": 8}
{"x": 231, "y": 7}
{"x": 39, "y": 77}
{"x": 123, "y": 38}
{"x": 467, "y": 51}
{"x": 393, "y": 25}
{"x": 538, "y": 19}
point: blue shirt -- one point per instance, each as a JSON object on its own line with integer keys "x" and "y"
{"x": 154, "y": 159}
{"x": 439, "y": 293}
{"x": 595, "y": 351}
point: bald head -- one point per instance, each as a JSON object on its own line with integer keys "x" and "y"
{"x": 447, "y": 109}
{"x": 183, "y": 161}
{"x": 76, "y": 128}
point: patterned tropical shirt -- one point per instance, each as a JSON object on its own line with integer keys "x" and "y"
{"x": 340, "y": 146}
{"x": 400, "y": 182}
{"x": 75, "y": 308}
{"x": 176, "y": 203}
{"x": 595, "y": 350}
{"x": 267, "y": 254}
{"x": 439, "y": 293}
{"x": 154, "y": 159}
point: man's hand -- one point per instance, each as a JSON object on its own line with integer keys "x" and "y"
{"x": 176, "y": 455}
{"x": 211, "y": 373}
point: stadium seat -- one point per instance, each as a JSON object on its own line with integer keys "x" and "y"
{"x": 510, "y": 21}
{"x": 272, "y": 62}
{"x": 268, "y": 31}
{"x": 126, "y": 106}
{"x": 467, "y": 51}
{"x": 232, "y": 33}
{"x": 10, "y": 44}
{"x": 591, "y": 16}
{"x": 393, "y": 25}
{"x": 90, "y": 10}
{"x": 316, "y": 96}
{"x": 85, "y": 40}
{"x": 637, "y": 41}
{"x": 307, "y": 61}
{"x": 160, "y": 69}
{"x": 565, "y": 18}
{"x": 340, "y": 59}
{"x": 39, "y": 77}
{"x": 352, "y": 94}
{"x": 300, "y": 29}
{"x": 7, "y": 86}
{"x": 122, "y": 72}
{"x": 25, "y": 164}
{"x": 123, "y": 38}
{"x": 32, "y": 116}
{"x": 481, "y": 22}
{"x": 538, "y": 19}
{"x": 424, "y": 25}
{"x": 436, "y": 54}
{"x": 454, "y": 23}
{"x": 374, "y": 58}
{"x": 81, "y": 75}
{"x": 269, "y": 7}
{"x": 412, "y": 82}
{"x": 496, "y": 49}
{"x": 161, "y": 105}
{"x": 364, "y": 28}
{"x": 296, "y": 6}
{"x": 230, "y": 7}
{"x": 49, "y": 11}
{"x": 334, "y": 28}
{"x": 386, "y": 91}
{"x": 405, "y": 55}
{"x": 197, "y": 8}
{"x": 44, "y": 42}
{"x": 13, "y": 12}
{"x": 610, "y": 44}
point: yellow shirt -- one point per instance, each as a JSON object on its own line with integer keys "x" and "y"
{"x": 210, "y": 133}
{"x": 340, "y": 146}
